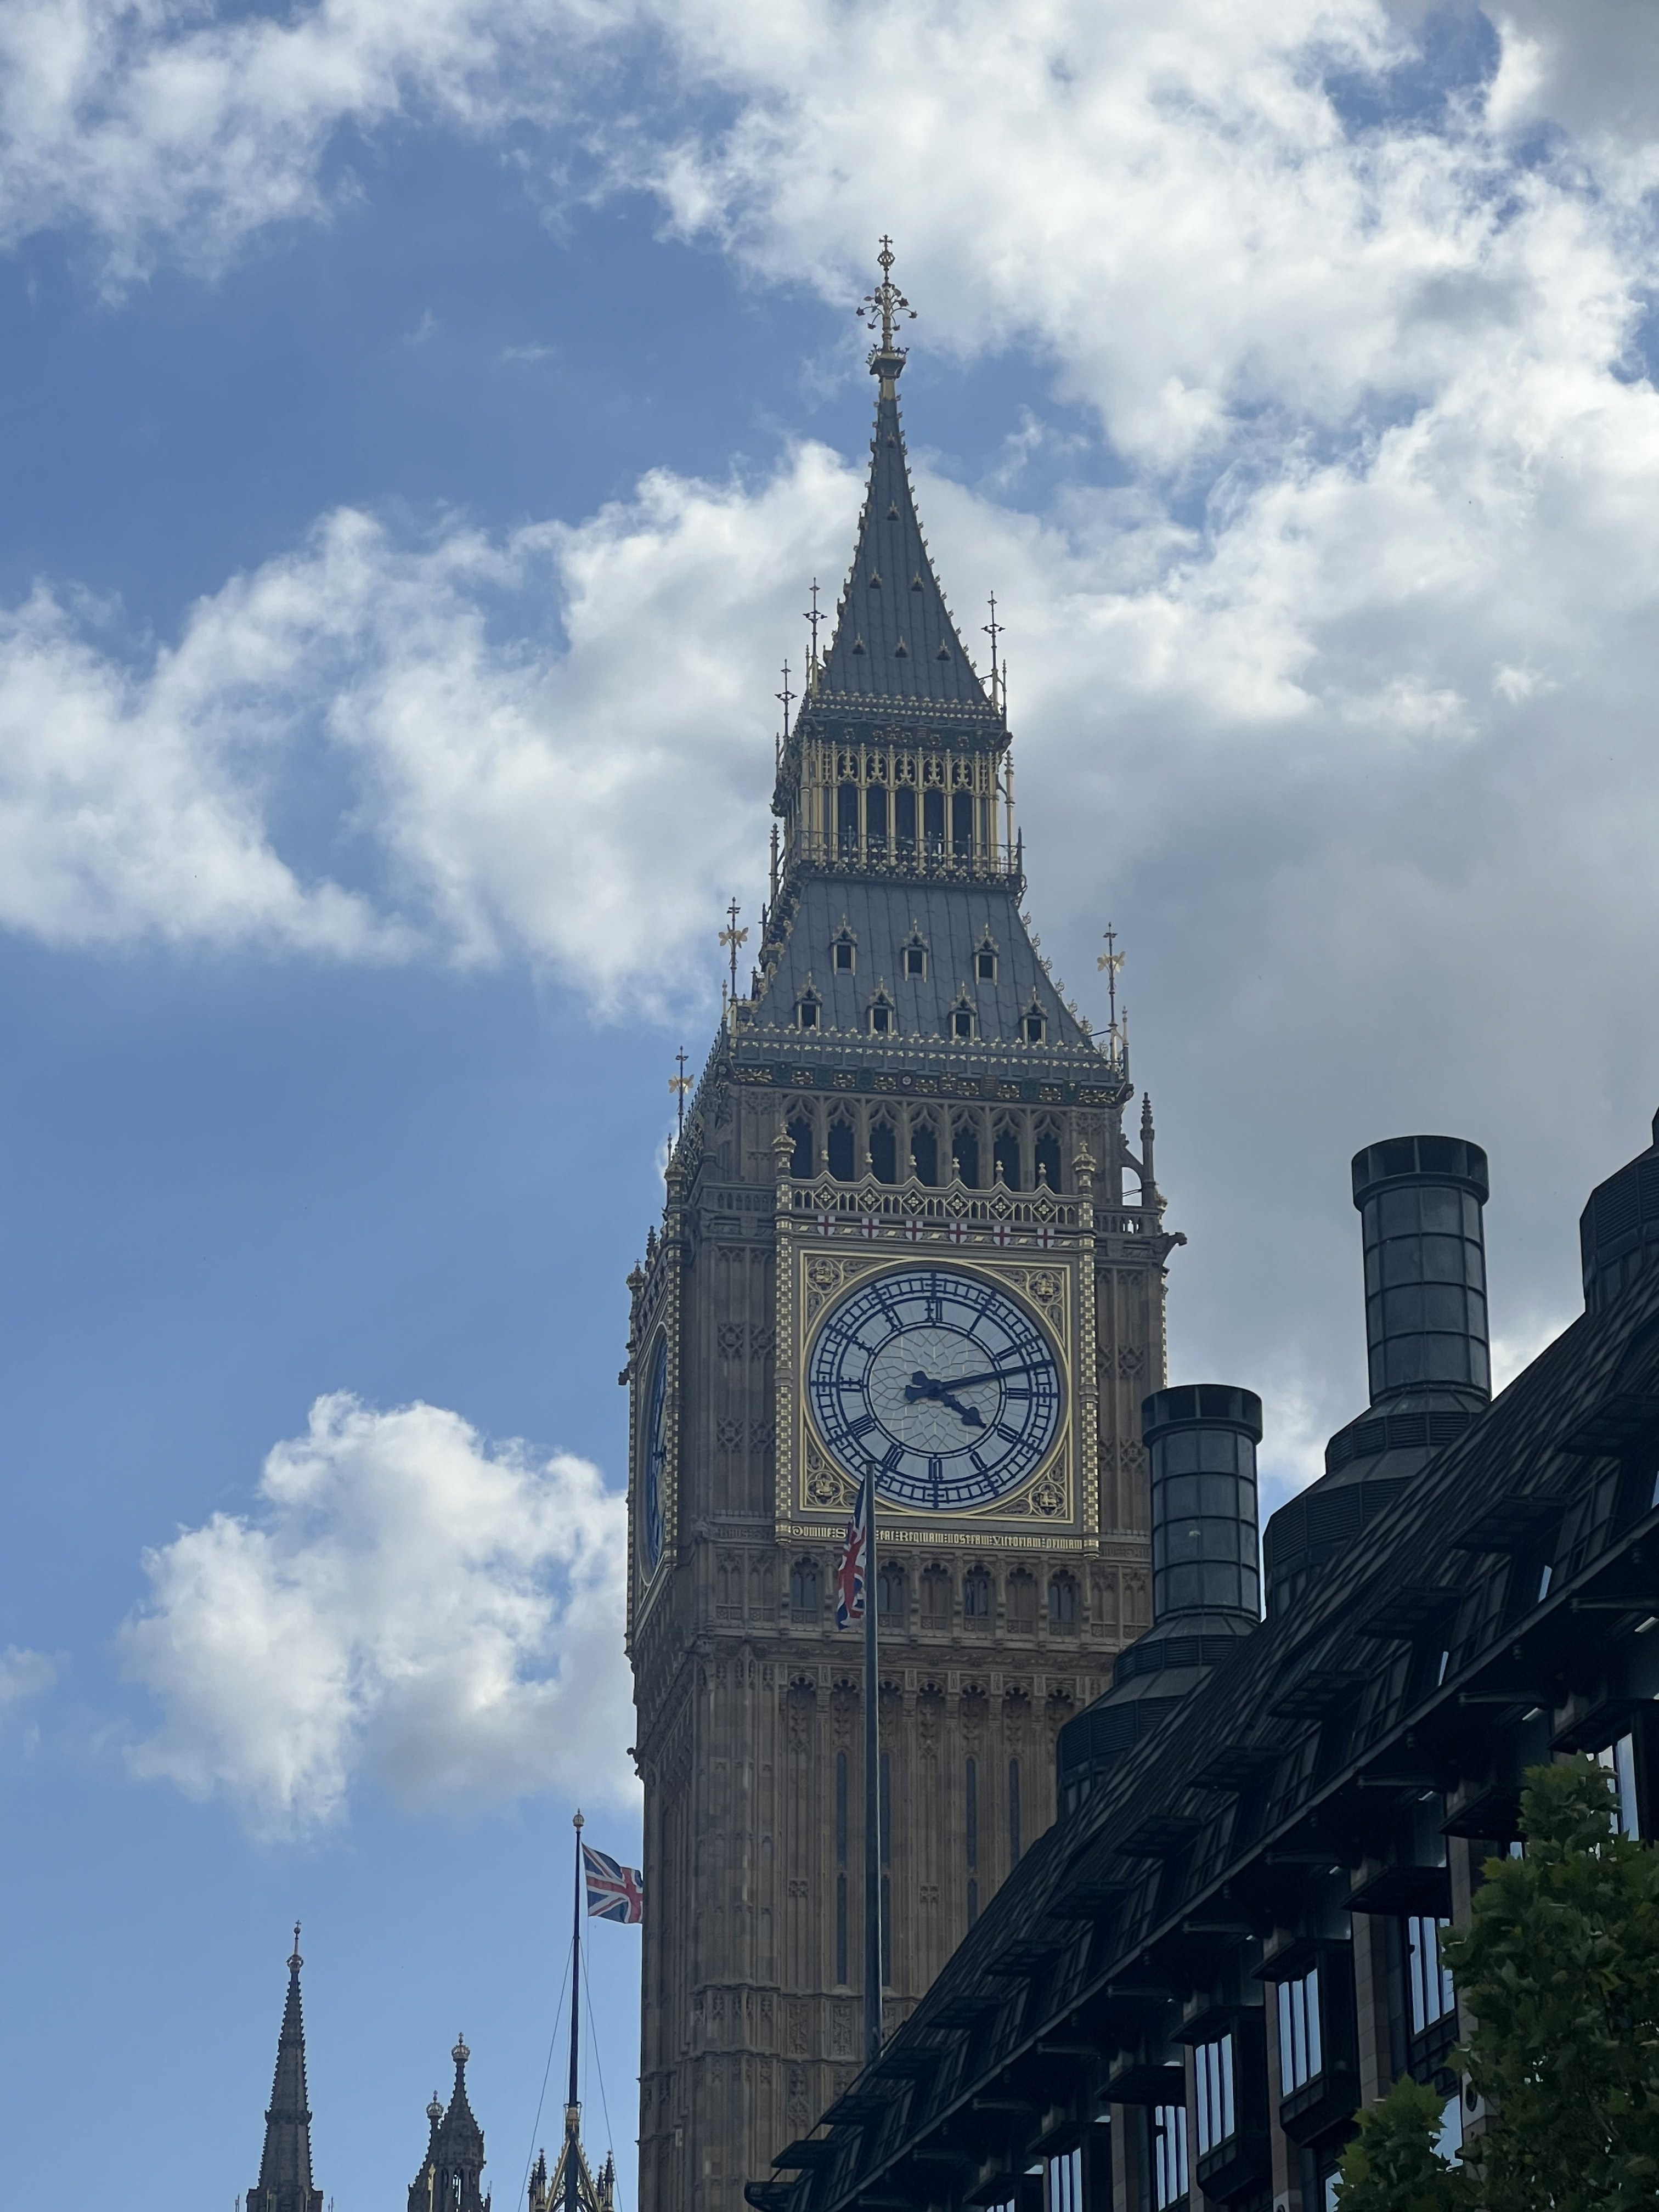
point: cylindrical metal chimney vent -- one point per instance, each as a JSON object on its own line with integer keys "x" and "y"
{"x": 1618, "y": 1230}
{"x": 1200, "y": 1440}
{"x": 1419, "y": 1201}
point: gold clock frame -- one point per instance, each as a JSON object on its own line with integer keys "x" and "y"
{"x": 1054, "y": 1506}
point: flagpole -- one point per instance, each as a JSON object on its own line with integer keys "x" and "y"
{"x": 571, "y": 2198}
{"x": 872, "y": 1785}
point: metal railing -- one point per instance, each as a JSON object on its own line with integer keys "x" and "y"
{"x": 934, "y": 860}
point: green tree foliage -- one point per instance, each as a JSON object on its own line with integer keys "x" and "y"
{"x": 1392, "y": 2165}
{"x": 1560, "y": 1968}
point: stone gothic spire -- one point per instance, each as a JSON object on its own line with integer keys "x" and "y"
{"x": 284, "y": 2182}
{"x": 453, "y": 2167}
{"x": 894, "y": 638}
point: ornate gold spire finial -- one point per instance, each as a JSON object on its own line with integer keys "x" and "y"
{"x": 295, "y": 1961}
{"x": 1111, "y": 960}
{"x": 732, "y": 938}
{"x": 885, "y": 307}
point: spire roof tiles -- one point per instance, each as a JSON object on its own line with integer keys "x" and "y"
{"x": 894, "y": 637}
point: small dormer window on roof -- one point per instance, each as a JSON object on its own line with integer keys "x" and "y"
{"x": 844, "y": 951}
{"x": 985, "y": 959}
{"x": 915, "y": 954}
{"x": 1034, "y": 1023}
{"x": 808, "y": 1008}
{"x": 964, "y": 1022}
{"x": 882, "y": 1019}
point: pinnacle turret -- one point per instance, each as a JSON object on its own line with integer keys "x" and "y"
{"x": 449, "y": 2180}
{"x": 284, "y": 2182}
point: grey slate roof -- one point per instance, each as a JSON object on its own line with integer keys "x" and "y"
{"x": 894, "y": 637}
{"x": 953, "y": 920}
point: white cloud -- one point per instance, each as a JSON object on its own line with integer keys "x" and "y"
{"x": 178, "y": 130}
{"x": 1342, "y": 701}
{"x": 406, "y": 1604}
{"x": 24, "y": 1675}
{"x": 131, "y": 806}
{"x": 1167, "y": 198}
{"x": 583, "y": 796}
{"x": 1593, "y": 68}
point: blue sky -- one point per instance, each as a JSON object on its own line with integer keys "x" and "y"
{"x": 423, "y": 425}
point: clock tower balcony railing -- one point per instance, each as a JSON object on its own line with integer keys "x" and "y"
{"x": 936, "y": 1207}
{"x": 921, "y": 860}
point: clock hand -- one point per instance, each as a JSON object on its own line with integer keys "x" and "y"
{"x": 924, "y": 1385}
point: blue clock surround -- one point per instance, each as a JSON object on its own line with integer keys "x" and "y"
{"x": 943, "y": 1378}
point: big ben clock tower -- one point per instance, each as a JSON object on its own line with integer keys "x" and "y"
{"x": 897, "y": 1228}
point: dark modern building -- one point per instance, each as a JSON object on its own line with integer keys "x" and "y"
{"x": 1228, "y": 1940}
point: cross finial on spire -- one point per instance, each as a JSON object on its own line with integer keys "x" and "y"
{"x": 732, "y": 938}
{"x": 296, "y": 1962}
{"x": 811, "y": 616}
{"x": 785, "y": 694}
{"x": 1111, "y": 960}
{"x": 679, "y": 1084}
{"x": 885, "y": 307}
{"x": 993, "y": 630}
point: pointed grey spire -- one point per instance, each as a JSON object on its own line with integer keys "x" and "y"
{"x": 894, "y": 637}
{"x": 284, "y": 2182}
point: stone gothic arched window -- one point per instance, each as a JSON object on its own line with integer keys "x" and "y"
{"x": 840, "y": 1149}
{"x": 924, "y": 1151}
{"x": 964, "y": 1153}
{"x": 1045, "y": 1156}
{"x": 1062, "y": 1604}
{"x": 1005, "y": 1154}
{"x": 977, "y": 1595}
{"x": 884, "y": 1150}
{"x": 802, "y": 1149}
{"x": 804, "y": 1590}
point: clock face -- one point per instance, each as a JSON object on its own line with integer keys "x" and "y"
{"x": 654, "y": 1457}
{"x": 944, "y": 1380}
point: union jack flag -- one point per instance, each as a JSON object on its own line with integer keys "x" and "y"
{"x": 850, "y": 1567}
{"x": 614, "y": 1892}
